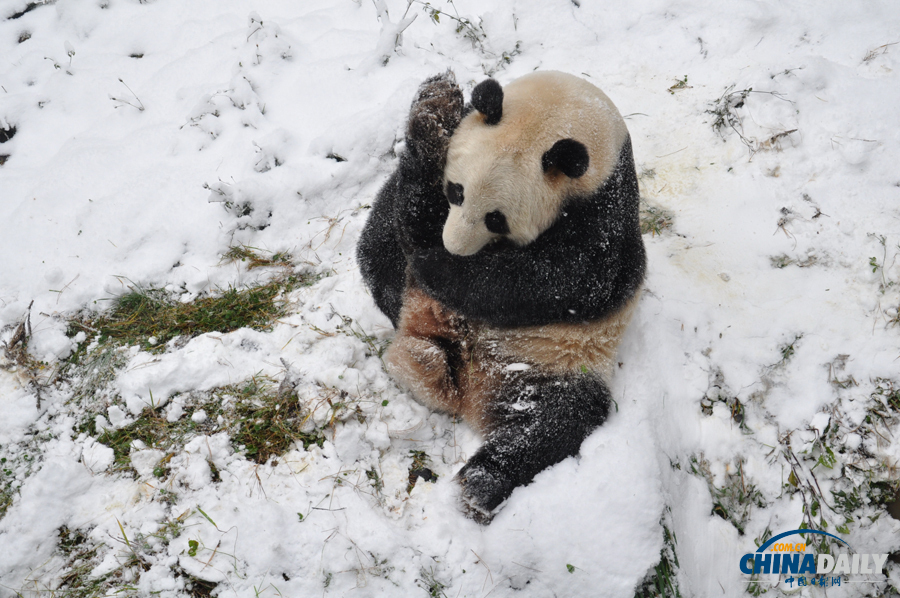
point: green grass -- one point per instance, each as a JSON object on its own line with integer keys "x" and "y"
{"x": 679, "y": 84}
{"x": 82, "y": 555}
{"x": 867, "y": 488}
{"x": 888, "y": 393}
{"x": 787, "y": 350}
{"x": 19, "y": 462}
{"x": 734, "y": 500}
{"x": 7, "y": 495}
{"x": 153, "y": 429}
{"x": 265, "y": 422}
{"x": 654, "y": 219}
{"x": 661, "y": 581}
{"x": 261, "y": 422}
{"x": 725, "y": 112}
{"x": 151, "y": 317}
{"x": 432, "y": 586}
{"x": 8, "y": 486}
{"x": 92, "y": 369}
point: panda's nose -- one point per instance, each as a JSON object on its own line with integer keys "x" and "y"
{"x": 462, "y": 237}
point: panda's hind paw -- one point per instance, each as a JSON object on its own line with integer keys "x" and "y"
{"x": 482, "y": 492}
{"x": 475, "y": 512}
{"x": 433, "y": 117}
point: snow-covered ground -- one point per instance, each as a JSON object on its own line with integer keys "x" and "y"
{"x": 140, "y": 141}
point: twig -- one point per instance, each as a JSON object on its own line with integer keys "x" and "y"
{"x": 140, "y": 107}
{"x": 388, "y": 28}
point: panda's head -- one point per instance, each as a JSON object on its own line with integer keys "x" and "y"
{"x": 526, "y": 150}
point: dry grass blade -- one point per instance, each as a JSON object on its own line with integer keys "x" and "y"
{"x": 253, "y": 259}
{"x": 15, "y": 352}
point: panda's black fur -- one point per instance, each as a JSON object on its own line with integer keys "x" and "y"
{"x": 518, "y": 339}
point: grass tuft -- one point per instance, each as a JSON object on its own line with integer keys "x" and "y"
{"x": 467, "y": 28}
{"x": 654, "y": 219}
{"x": 882, "y": 49}
{"x": 199, "y": 588}
{"x": 92, "y": 368}
{"x": 18, "y": 462}
{"x": 661, "y": 581}
{"x": 267, "y": 422}
{"x": 155, "y": 431}
{"x": 82, "y": 555}
{"x": 348, "y": 327}
{"x": 151, "y": 428}
{"x": 734, "y": 500}
{"x": 679, "y": 84}
{"x": 253, "y": 259}
{"x": 431, "y": 585}
{"x": 6, "y": 500}
{"x": 787, "y": 350}
{"x": 888, "y": 392}
{"x": 151, "y": 317}
{"x": 259, "y": 420}
{"x": 867, "y": 484}
{"x": 262, "y": 422}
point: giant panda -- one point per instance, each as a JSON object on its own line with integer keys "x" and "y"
{"x": 506, "y": 251}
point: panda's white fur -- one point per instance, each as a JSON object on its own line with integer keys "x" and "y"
{"x": 499, "y": 166}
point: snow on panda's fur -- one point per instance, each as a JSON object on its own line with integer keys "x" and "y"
{"x": 506, "y": 250}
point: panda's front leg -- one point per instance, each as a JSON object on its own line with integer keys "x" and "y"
{"x": 433, "y": 117}
{"x": 538, "y": 420}
{"x": 410, "y": 210}
{"x": 420, "y": 206}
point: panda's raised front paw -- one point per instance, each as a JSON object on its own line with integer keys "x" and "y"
{"x": 482, "y": 492}
{"x": 433, "y": 116}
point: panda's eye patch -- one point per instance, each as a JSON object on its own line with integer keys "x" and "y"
{"x": 455, "y": 193}
{"x": 496, "y": 223}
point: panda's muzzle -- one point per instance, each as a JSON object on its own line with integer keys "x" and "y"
{"x": 462, "y": 236}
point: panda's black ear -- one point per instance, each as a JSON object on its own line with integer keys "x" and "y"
{"x": 487, "y": 98}
{"x": 568, "y": 156}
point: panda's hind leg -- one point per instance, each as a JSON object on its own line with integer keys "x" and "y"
{"x": 426, "y": 354}
{"x": 421, "y": 366}
{"x": 538, "y": 420}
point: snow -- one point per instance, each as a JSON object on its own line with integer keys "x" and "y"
{"x": 151, "y": 137}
